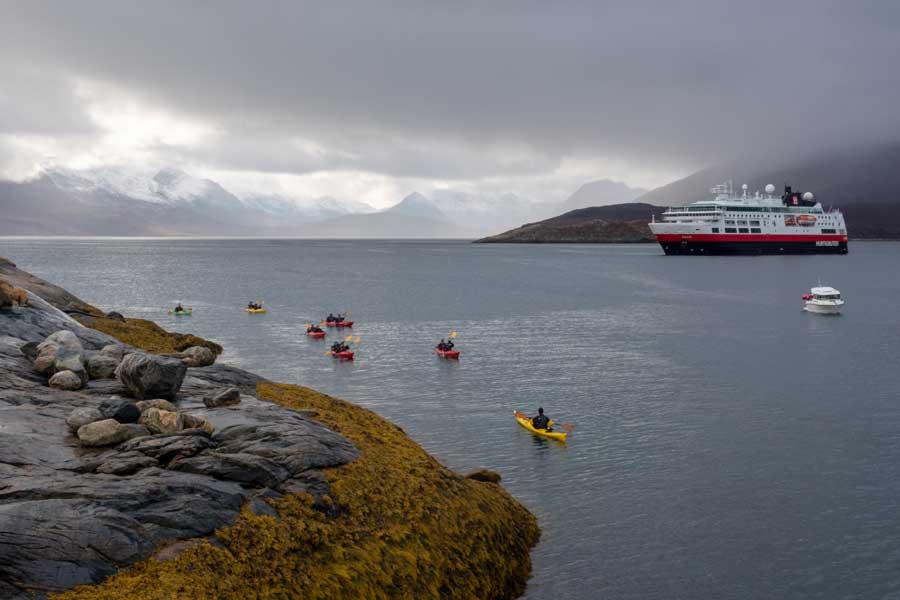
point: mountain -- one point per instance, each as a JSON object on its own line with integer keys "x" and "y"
{"x": 616, "y": 224}
{"x": 862, "y": 182}
{"x": 318, "y": 209}
{"x": 416, "y": 205}
{"x": 602, "y": 192}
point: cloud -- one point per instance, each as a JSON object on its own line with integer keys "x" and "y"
{"x": 473, "y": 93}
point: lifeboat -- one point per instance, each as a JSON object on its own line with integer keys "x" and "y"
{"x": 806, "y": 220}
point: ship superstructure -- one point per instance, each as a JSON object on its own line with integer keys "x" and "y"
{"x": 794, "y": 223}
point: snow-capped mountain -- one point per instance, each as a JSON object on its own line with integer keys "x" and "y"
{"x": 166, "y": 186}
{"x": 317, "y": 209}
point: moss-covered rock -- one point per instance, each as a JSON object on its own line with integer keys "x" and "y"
{"x": 396, "y": 524}
{"x": 147, "y": 335}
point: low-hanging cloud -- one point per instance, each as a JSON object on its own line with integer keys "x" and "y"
{"x": 468, "y": 91}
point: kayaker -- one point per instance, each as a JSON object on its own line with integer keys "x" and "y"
{"x": 442, "y": 345}
{"x": 253, "y": 305}
{"x": 449, "y": 345}
{"x": 330, "y": 318}
{"x": 338, "y": 347}
{"x": 339, "y": 318}
{"x": 313, "y": 329}
{"x": 541, "y": 421}
{"x": 179, "y": 308}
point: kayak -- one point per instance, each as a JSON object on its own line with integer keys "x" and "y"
{"x": 525, "y": 422}
{"x": 346, "y": 355}
{"x": 339, "y": 323}
{"x": 447, "y": 353}
{"x": 181, "y": 313}
{"x": 255, "y": 310}
{"x": 316, "y": 334}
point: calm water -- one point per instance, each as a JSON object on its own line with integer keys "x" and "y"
{"x": 727, "y": 443}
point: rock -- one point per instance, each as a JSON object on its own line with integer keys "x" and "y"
{"x": 29, "y": 350}
{"x": 166, "y": 448}
{"x": 44, "y": 359}
{"x": 134, "y": 430}
{"x": 248, "y": 469}
{"x": 115, "y": 315}
{"x": 484, "y": 475}
{"x": 5, "y": 296}
{"x": 162, "y": 421}
{"x": 195, "y": 422}
{"x": 66, "y": 380}
{"x": 103, "y": 433}
{"x": 229, "y": 397}
{"x": 102, "y": 366}
{"x": 145, "y": 405}
{"x": 114, "y": 350}
{"x": 83, "y": 416}
{"x": 126, "y": 463}
{"x": 198, "y": 356}
{"x": 61, "y": 351}
{"x": 120, "y": 409}
{"x": 148, "y": 376}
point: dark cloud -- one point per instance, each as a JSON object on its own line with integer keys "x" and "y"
{"x": 381, "y": 86}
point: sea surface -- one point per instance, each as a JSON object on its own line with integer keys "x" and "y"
{"x": 727, "y": 444}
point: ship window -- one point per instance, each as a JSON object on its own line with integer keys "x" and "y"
{"x": 729, "y": 222}
{"x": 754, "y": 223}
{"x": 828, "y": 231}
{"x": 715, "y": 230}
{"x": 742, "y": 222}
{"x": 755, "y": 230}
{"x": 730, "y": 230}
{"x": 742, "y": 230}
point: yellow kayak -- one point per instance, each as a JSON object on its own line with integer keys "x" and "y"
{"x": 255, "y": 310}
{"x": 525, "y": 422}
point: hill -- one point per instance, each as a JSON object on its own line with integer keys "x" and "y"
{"x": 616, "y": 224}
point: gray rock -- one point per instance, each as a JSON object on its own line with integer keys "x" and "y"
{"x": 126, "y": 463}
{"x": 145, "y": 405}
{"x": 83, "y": 416}
{"x": 134, "y": 430}
{"x": 102, "y": 433}
{"x": 149, "y": 376}
{"x": 229, "y": 397}
{"x": 66, "y": 380}
{"x": 115, "y": 315}
{"x": 114, "y": 350}
{"x": 248, "y": 469}
{"x": 120, "y": 409}
{"x": 166, "y": 448}
{"x": 198, "y": 356}
{"x": 102, "y": 366}
{"x": 61, "y": 351}
{"x": 161, "y": 421}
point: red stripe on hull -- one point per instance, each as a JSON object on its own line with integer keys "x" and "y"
{"x": 746, "y": 237}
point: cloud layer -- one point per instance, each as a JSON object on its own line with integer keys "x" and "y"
{"x": 533, "y": 97}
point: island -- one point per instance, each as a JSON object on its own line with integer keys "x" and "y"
{"x": 614, "y": 224}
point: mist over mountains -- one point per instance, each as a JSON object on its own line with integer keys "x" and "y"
{"x": 127, "y": 202}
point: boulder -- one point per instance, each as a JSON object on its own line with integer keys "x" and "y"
{"x": 485, "y": 475}
{"x": 103, "y": 433}
{"x": 115, "y": 315}
{"x": 102, "y": 366}
{"x": 134, "y": 430}
{"x": 149, "y": 376}
{"x": 195, "y": 422}
{"x": 145, "y": 405}
{"x": 83, "y": 416}
{"x": 162, "y": 421}
{"x": 166, "y": 448}
{"x": 198, "y": 356}
{"x": 61, "y": 351}
{"x": 5, "y": 295}
{"x": 120, "y": 409}
{"x": 228, "y": 397}
{"x": 66, "y": 380}
{"x": 114, "y": 350}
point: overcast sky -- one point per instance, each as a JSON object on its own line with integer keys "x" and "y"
{"x": 374, "y": 100}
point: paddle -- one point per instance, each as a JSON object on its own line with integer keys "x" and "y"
{"x": 555, "y": 424}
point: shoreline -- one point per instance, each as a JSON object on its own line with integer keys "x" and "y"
{"x": 335, "y": 530}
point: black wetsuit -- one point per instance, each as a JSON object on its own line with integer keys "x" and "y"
{"x": 540, "y": 422}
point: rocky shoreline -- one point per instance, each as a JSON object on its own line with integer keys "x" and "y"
{"x": 119, "y": 466}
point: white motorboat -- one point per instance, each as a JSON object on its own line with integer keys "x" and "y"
{"x": 824, "y": 300}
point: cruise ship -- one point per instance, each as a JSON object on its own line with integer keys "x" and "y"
{"x": 759, "y": 223}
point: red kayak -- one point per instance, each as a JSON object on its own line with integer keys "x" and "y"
{"x": 346, "y": 355}
{"x": 447, "y": 353}
{"x": 340, "y": 323}
{"x": 316, "y": 334}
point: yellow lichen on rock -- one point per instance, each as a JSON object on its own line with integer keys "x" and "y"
{"x": 147, "y": 335}
{"x": 397, "y": 524}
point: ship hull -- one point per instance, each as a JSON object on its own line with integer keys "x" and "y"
{"x": 750, "y": 248}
